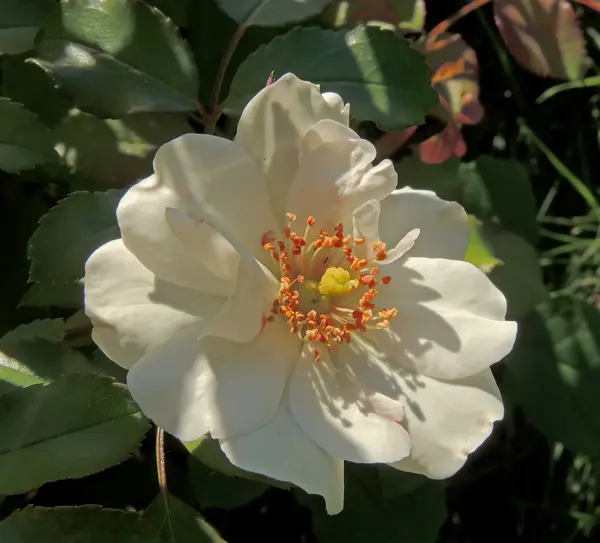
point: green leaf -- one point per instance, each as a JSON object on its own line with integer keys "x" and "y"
{"x": 407, "y": 15}
{"x": 89, "y": 524}
{"x": 511, "y": 196}
{"x": 40, "y": 361}
{"x": 52, "y": 330}
{"x": 176, "y": 10}
{"x": 369, "y": 515}
{"x": 70, "y": 428}
{"x": 25, "y": 83}
{"x": 474, "y": 195}
{"x": 520, "y": 276}
{"x": 19, "y": 23}
{"x": 24, "y": 141}
{"x": 209, "y": 33}
{"x": 73, "y": 229}
{"x": 444, "y": 179}
{"x": 478, "y": 252}
{"x": 114, "y": 153}
{"x": 271, "y": 12}
{"x": 217, "y": 482}
{"x": 553, "y": 372}
{"x": 394, "y": 482}
{"x": 215, "y": 489}
{"x": 31, "y": 354}
{"x": 377, "y": 72}
{"x": 115, "y": 57}
{"x": 176, "y": 522}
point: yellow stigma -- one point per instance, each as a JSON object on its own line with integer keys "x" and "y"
{"x": 336, "y": 282}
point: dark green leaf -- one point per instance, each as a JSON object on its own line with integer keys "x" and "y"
{"x": 70, "y": 428}
{"x": 371, "y": 515}
{"x": 209, "y": 33}
{"x": 52, "y": 330}
{"x": 444, "y": 179}
{"x": 394, "y": 482}
{"x": 114, "y": 153}
{"x": 30, "y": 354}
{"x": 520, "y": 276}
{"x": 176, "y": 10}
{"x": 115, "y": 57}
{"x": 25, "y": 83}
{"x": 175, "y": 522}
{"x": 19, "y": 23}
{"x": 216, "y": 489}
{"x": 377, "y": 72}
{"x": 474, "y": 195}
{"x": 217, "y": 482}
{"x": 511, "y": 196}
{"x": 25, "y": 363}
{"x": 271, "y": 12}
{"x": 86, "y": 524}
{"x": 73, "y": 229}
{"x": 553, "y": 372}
{"x": 24, "y": 141}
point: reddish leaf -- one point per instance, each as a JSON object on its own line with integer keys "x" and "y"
{"x": 455, "y": 77}
{"x": 594, "y": 4}
{"x": 443, "y": 146}
{"x": 543, "y": 35}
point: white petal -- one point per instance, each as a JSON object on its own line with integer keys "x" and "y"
{"x": 145, "y": 232}
{"x": 450, "y": 321}
{"x": 205, "y": 243}
{"x": 336, "y": 178}
{"x": 341, "y": 110}
{"x": 446, "y": 420}
{"x": 342, "y": 417}
{"x": 133, "y": 311}
{"x": 193, "y": 386}
{"x": 326, "y": 131}
{"x": 281, "y": 450}
{"x": 365, "y": 221}
{"x": 273, "y": 125}
{"x": 218, "y": 178}
{"x": 242, "y": 316}
{"x": 444, "y": 231}
{"x": 366, "y": 226}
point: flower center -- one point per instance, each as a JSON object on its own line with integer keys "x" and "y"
{"x": 326, "y": 292}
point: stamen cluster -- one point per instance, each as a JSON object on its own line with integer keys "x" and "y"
{"x": 308, "y": 305}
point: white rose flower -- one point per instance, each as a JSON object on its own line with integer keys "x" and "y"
{"x": 277, "y": 292}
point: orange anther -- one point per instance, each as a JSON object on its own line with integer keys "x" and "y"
{"x": 310, "y": 221}
{"x": 383, "y": 324}
{"x": 268, "y": 237}
{"x": 359, "y": 241}
{"x": 388, "y": 313}
{"x": 386, "y": 280}
{"x": 291, "y": 217}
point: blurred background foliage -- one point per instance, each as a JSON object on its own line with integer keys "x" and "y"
{"x": 90, "y": 89}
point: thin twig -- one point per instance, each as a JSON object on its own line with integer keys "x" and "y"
{"x": 160, "y": 460}
{"x": 215, "y": 113}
